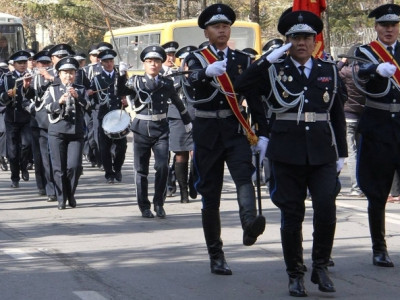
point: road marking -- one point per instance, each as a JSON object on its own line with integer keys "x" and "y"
{"x": 17, "y": 253}
{"x": 89, "y": 295}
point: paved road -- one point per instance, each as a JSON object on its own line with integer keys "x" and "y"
{"x": 104, "y": 249}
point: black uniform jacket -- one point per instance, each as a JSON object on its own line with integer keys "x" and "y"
{"x": 34, "y": 103}
{"x": 73, "y": 123}
{"x": 208, "y": 130}
{"x": 157, "y": 101}
{"x": 375, "y": 123}
{"x": 106, "y": 88}
{"x": 301, "y": 143}
{"x": 14, "y": 111}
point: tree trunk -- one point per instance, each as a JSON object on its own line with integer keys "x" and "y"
{"x": 255, "y": 11}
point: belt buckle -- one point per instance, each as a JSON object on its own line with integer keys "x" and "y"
{"x": 217, "y": 114}
{"x": 310, "y": 117}
{"x": 154, "y": 117}
{"x": 394, "y": 107}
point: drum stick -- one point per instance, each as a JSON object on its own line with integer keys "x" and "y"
{"x": 109, "y": 28}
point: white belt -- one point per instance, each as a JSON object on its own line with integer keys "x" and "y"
{"x": 214, "y": 114}
{"x": 391, "y": 107}
{"x": 158, "y": 117}
{"x": 308, "y": 117}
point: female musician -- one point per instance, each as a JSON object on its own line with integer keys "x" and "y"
{"x": 65, "y": 104}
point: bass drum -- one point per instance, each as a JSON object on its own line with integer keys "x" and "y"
{"x": 116, "y": 124}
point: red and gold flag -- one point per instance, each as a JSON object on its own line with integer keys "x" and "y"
{"x": 316, "y": 7}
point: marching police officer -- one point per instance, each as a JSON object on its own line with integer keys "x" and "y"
{"x": 40, "y": 125}
{"x": 180, "y": 141}
{"x": 218, "y": 132}
{"x": 18, "y": 130}
{"x": 65, "y": 104}
{"x": 307, "y": 142}
{"x": 103, "y": 88}
{"x": 151, "y": 95}
{"x": 379, "y": 124}
{"x": 169, "y": 64}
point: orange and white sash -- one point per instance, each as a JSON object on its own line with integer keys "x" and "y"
{"x": 227, "y": 86}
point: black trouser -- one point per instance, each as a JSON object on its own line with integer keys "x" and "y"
{"x": 3, "y": 149}
{"x": 112, "y": 163}
{"x": 43, "y": 169}
{"x": 142, "y": 147}
{"x": 288, "y": 188}
{"x": 209, "y": 167}
{"x": 18, "y": 147}
{"x": 376, "y": 165}
{"x": 66, "y": 159}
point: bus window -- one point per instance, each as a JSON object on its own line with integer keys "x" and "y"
{"x": 241, "y": 37}
{"x": 143, "y": 40}
{"x": 154, "y": 39}
{"x": 188, "y": 36}
{"x": 4, "y": 53}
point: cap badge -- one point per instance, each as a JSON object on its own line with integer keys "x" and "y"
{"x": 219, "y": 9}
{"x": 300, "y": 18}
{"x": 154, "y": 48}
{"x": 390, "y": 10}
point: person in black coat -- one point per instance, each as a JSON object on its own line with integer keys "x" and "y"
{"x": 218, "y": 132}
{"x": 307, "y": 142}
{"x": 379, "y": 125}
{"x": 18, "y": 131}
{"x": 40, "y": 123}
{"x": 66, "y": 103}
{"x": 103, "y": 89}
{"x": 151, "y": 94}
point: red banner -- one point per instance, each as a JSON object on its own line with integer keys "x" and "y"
{"x": 316, "y": 7}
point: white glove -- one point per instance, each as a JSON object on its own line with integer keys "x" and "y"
{"x": 123, "y": 67}
{"x": 386, "y": 69}
{"x": 217, "y": 68}
{"x": 278, "y": 52}
{"x": 339, "y": 164}
{"x": 261, "y": 147}
{"x": 188, "y": 127}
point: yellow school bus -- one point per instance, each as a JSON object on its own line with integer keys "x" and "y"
{"x": 130, "y": 41}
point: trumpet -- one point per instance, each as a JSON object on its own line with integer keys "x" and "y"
{"x": 25, "y": 77}
{"x": 70, "y": 102}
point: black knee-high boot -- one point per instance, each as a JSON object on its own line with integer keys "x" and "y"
{"x": 192, "y": 189}
{"x": 212, "y": 234}
{"x": 293, "y": 255}
{"x": 321, "y": 252}
{"x": 380, "y": 255}
{"x": 252, "y": 224}
{"x": 181, "y": 173}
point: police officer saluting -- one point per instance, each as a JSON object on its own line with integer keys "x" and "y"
{"x": 104, "y": 90}
{"x": 379, "y": 125}
{"x": 17, "y": 119}
{"x": 307, "y": 142}
{"x": 65, "y": 104}
{"x": 151, "y": 94}
{"x": 218, "y": 132}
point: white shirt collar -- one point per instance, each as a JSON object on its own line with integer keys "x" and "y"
{"x": 308, "y": 65}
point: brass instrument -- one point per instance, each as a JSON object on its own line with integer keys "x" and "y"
{"x": 70, "y": 102}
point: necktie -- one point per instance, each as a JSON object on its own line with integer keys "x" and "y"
{"x": 302, "y": 73}
{"x": 221, "y": 55}
{"x": 390, "y": 50}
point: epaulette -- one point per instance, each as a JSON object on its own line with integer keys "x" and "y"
{"x": 241, "y": 52}
{"x": 330, "y": 61}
